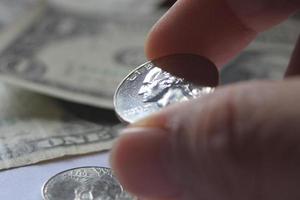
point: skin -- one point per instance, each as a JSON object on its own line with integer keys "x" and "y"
{"x": 241, "y": 142}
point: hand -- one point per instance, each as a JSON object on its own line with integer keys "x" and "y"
{"x": 241, "y": 142}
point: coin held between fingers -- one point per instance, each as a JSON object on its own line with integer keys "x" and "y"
{"x": 148, "y": 88}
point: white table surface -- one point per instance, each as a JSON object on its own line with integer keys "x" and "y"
{"x": 25, "y": 183}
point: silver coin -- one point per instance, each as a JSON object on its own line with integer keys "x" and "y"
{"x": 87, "y": 183}
{"x": 148, "y": 88}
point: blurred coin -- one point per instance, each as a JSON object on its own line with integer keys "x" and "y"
{"x": 85, "y": 183}
{"x": 148, "y": 88}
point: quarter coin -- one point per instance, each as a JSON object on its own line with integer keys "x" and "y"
{"x": 87, "y": 183}
{"x": 148, "y": 88}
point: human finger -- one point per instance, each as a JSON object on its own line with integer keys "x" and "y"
{"x": 216, "y": 29}
{"x": 241, "y": 142}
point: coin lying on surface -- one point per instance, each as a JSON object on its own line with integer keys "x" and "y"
{"x": 148, "y": 88}
{"x": 87, "y": 183}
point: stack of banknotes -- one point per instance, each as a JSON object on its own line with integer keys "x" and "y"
{"x": 62, "y": 60}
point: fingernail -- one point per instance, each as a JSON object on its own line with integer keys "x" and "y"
{"x": 153, "y": 121}
{"x": 137, "y": 160}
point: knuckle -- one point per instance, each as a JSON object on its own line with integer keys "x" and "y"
{"x": 210, "y": 139}
{"x": 219, "y": 124}
{"x": 229, "y": 126}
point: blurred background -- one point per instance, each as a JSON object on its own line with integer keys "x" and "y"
{"x": 61, "y": 62}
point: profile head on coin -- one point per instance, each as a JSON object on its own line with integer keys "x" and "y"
{"x": 149, "y": 88}
{"x": 162, "y": 88}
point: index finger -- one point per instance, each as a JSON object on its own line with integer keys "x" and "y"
{"x": 216, "y": 29}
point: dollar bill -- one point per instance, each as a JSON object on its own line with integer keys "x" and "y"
{"x": 11, "y": 10}
{"x": 78, "y": 56}
{"x": 35, "y": 128}
{"x": 267, "y": 57}
{"x": 74, "y": 55}
{"x": 258, "y": 61}
{"x": 286, "y": 32}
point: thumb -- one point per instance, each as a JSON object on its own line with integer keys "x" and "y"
{"x": 242, "y": 142}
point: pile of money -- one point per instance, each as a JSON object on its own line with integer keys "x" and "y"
{"x": 76, "y": 53}
{"x": 62, "y": 60}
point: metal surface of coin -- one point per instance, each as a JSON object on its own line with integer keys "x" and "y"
{"x": 148, "y": 89}
{"x": 87, "y": 183}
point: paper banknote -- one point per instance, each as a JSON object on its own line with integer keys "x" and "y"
{"x": 258, "y": 61}
{"x": 34, "y": 128}
{"x": 267, "y": 57}
{"x": 11, "y": 10}
{"x": 76, "y": 55}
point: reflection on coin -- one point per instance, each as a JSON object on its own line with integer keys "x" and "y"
{"x": 87, "y": 183}
{"x": 148, "y": 89}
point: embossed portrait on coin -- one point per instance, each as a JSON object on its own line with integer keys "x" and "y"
{"x": 164, "y": 89}
{"x": 98, "y": 189}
